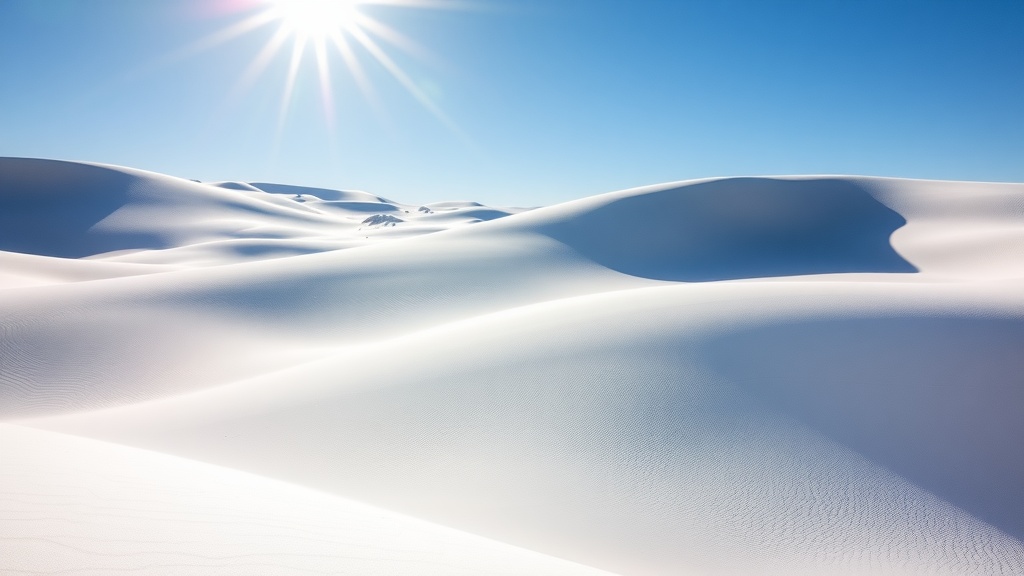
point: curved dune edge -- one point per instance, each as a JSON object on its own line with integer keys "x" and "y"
{"x": 75, "y": 505}
{"x": 779, "y": 375}
{"x": 633, "y": 431}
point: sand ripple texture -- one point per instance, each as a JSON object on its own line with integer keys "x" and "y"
{"x": 789, "y": 376}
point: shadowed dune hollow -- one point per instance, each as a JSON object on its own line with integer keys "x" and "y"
{"x": 739, "y": 228}
{"x": 230, "y": 377}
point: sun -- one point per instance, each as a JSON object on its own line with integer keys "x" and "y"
{"x": 330, "y": 32}
{"x": 315, "y": 19}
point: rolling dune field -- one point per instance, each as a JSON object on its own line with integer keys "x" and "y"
{"x": 793, "y": 375}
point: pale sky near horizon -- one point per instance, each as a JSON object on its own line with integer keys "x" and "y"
{"x": 529, "y": 102}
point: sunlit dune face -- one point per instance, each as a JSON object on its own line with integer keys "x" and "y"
{"x": 315, "y": 19}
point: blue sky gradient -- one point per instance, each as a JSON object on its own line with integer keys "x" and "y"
{"x": 551, "y": 100}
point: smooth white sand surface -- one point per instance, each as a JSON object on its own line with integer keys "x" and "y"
{"x": 787, "y": 375}
{"x": 73, "y": 505}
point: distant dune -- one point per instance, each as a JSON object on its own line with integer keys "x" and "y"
{"x": 794, "y": 375}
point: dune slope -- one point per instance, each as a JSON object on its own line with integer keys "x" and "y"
{"x": 790, "y": 375}
{"x": 80, "y": 506}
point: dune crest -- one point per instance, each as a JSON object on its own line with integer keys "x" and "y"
{"x": 779, "y": 375}
{"x": 739, "y": 228}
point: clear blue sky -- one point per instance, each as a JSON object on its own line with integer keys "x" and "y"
{"x": 551, "y": 100}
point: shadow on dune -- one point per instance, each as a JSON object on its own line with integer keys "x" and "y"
{"x": 49, "y": 207}
{"x": 936, "y": 400}
{"x": 321, "y": 193}
{"x": 739, "y": 228}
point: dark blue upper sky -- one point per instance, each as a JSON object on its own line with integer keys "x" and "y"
{"x": 535, "y": 102}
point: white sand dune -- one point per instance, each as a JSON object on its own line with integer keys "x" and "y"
{"x": 791, "y": 375}
{"x": 76, "y": 505}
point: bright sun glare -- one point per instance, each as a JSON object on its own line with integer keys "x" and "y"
{"x": 316, "y": 18}
{"x": 328, "y": 29}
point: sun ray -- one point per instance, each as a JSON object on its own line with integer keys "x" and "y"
{"x": 289, "y": 86}
{"x": 354, "y": 67}
{"x": 222, "y": 36}
{"x": 259, "y": 64}
{"x": 219, "y": 37}
{"x": 324, "y": 71}
{"x": 396, "y": 39}
{"x": 431, "y": 4}
{"x": 398, "y": 74}
{"x": 317, "y": 24}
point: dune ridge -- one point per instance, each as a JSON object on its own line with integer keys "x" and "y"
{"x": 773, "y": 375}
